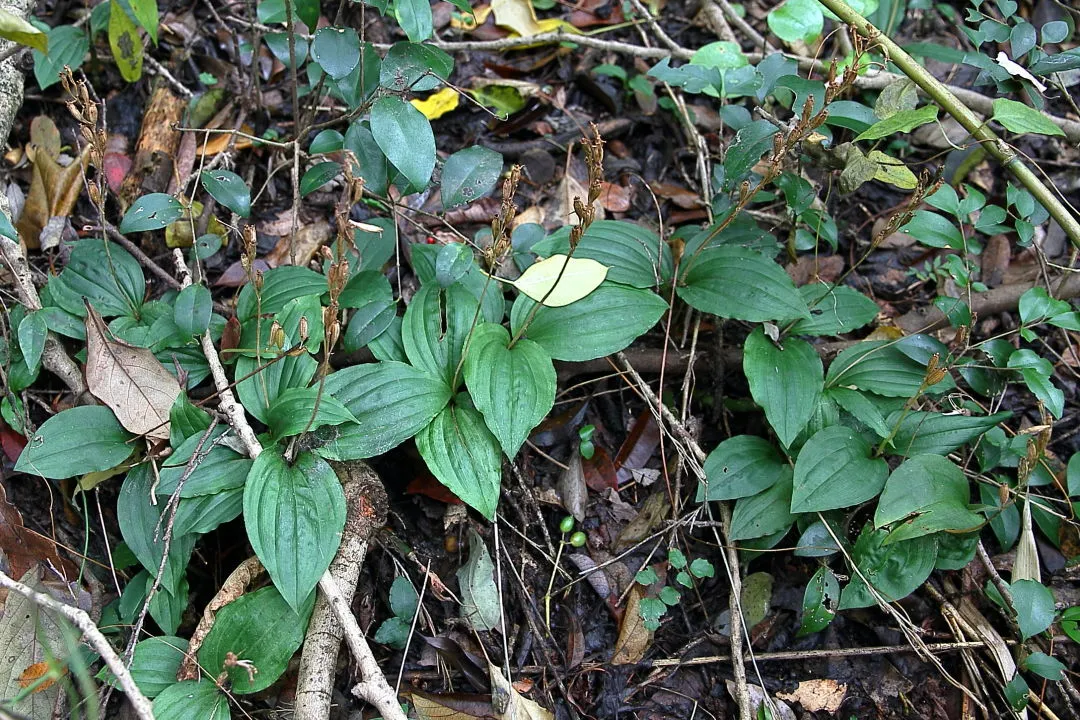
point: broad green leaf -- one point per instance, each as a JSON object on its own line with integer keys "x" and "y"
{"x": 785, "y": 381}
{"x": 371, "y": 159}
{"x": 416, "y": 67}
{"x": 835, "y": 470}
{"x": 258, "y": 340}
{"x": 739, "y": 467}
{"x": 337, "y": 50}
{"x": 469, "y": 174}
{"x": 480, "y": 604}
{"x": 204, "y": 513}
{"x": 558, "y": 280}
{"x": 895, "y": 570}
{"x": 366, "y": 324}
{"x": 216, "y": 468}
{"x": 734, "y": 282}
{"x": 403, "y": 599}
{"x": 464, "y": 456}
{"x": 146, "y": 14}
{"x": 18, "y": 30}
{"x": 127, "y": 47}
{"x": 751, "y": 142}
{"x": 265, "y": 385}
{"x": 260, "y": 628}
{"x": 834, "y": 310}
{"x": 327, "y": 141}
{"x": 435, "y": 327}
{"x": 389, "y": 346}
{"x": 931, "y": 488}
{"x": 796, "y": 20}
{"x": 1019, "y": 118}
{"x": 74, "y": 442}
{"x": 900, "y": 94}
{"x": 816, "y": 541}
{"x": 280, "y": 286}
{"x": 105, "y": 275}
{"x": 404, "y": 135}
{"x": 391, "y": 401}
{"x": 68, "y": 46}
{"x": 425, "y": 261}
{"x": 1036, "y": 305}
{"x": 901, "y": 122}
{"x": 1034, "y": 606}
{"x": 318, "y": 175}
{"x": 604, "y": 322}
{"x": 140, "y": 522}
{"x": 155, "y": 662}
{"x": 1036, "y": 372}
{"x": 300, "y": 410}
{"x": 151, "y": 212}
{"x": 877, "y": 366}
{"x": 191, "y": 699}
{"x": 32, "y": 332}
{"x": 394, "y": 631}
{"x": 819, "y": 602}
{"x": 922, "y": 433}
{"x": 861, "y": 408}
{"x": 193, "y": 309}
{"x": 452, "y": 263}
{"x": 513, "y": 387}
{"x": 765, "y": 513}
{"x": 633, "y": 254}
{"x": 414, "y": 17}
{"x": 294, "y": 516}
{"x": 229, "y": 189}
{"x": 1045, "y": 666}
{"x": 892, "y": 171}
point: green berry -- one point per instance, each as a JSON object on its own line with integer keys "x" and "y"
{"x": 567, "y": 524}
{"x": 578, "y": 539}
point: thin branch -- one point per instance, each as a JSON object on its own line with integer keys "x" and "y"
{"x": 82, "y": 621}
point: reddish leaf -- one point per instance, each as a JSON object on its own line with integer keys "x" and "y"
{"x": 600, "y": 471}
{"x": 638, "y": 447}
{"x": 24, "y": 548}
{"x": 11, "y": 442}
{"x": 426, "y": 484}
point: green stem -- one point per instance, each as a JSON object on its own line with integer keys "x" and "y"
{"x": 963, "y": 115}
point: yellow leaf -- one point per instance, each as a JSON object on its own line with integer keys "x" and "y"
{"x": 552, "y": 24}
{"x": 126, "y": 44}
{"x": 438, "y": 103}
{"x": 516, "y": 15}
{"x": 470, "y": 21}
{"x": 14, "y": 28}
{"x": 892, "y": 171}
{"x": 579, "y": 278}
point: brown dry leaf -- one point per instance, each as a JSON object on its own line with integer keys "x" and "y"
{"x": 588, "y": 13}
{"x": 615, "y": 198}
{"x": 569, "y": 189}
{"x": 509, "y": 704}
{"x": 817, "y": 695}
{"x": 652, "y": 515}
{"x": 759, "y": 698}
{"x": 309, "y": 238}
{"x": 634, "y": 639}
{"x": 24, "y": 548}
{"x": 219, "y": 141}
{"x": 571, "y": 487}
{"x": 130, "y": 380}
{"x": 451, "y": 707}
{"x": 686, "y": 199}
{"x": 54, "y": 188}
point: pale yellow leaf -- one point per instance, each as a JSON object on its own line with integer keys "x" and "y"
{"x": 578, "y": 278}
{"x": 470, "y": 21}
{"x": 516, "y": 15}
{"x": 13, "y": 27}
{"x": 553, "y": 24}
{"x": 892, "y": 171}
{"x": 509, "y": 704}
{"x": 438, "y": 103}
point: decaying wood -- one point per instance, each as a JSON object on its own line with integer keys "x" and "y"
{"x": 158, "y": 142}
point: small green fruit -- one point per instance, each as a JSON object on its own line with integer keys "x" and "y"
{"x": 578, "y": 539}
{"x": 567, "y": 524}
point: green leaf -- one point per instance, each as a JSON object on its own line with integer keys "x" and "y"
{"x": 140, "y": 521}
{"x": 796, "y": 21}
{"x": 634, "y": 255}
{"x": 765, "y": 513}
{"x": 1034, "y": 606}
{"x": 294, "y": 516}
{"x": 394, "y": 631}
{"x": 1016, "y": 692}
{"x": 185, "y": 420}
{"x": 217, "y": 467}
{"x": 403, "y": 599}
{"x": 819, "y": 602}
{"x": 480, "y": 604}
{"x": 193, "y": 309}
{"x": 260, "y": 628}
{"x": 834, "y": 310}
{"x": 902, "y": 122}
{"x": 1070, "y": 623}
{"x": 74, "y": 442}
{"x": 280, "y": 286}
{"x": 604, "y": 322}
{"x": 146, "y": 14}
{"x": 337, "y": 50}
{"x": 1072, "y": 475}
{"x": 204, "y": 513}
{"x": 861, "y": 408}
{"x": 416, "y": 67}
{"x": 318, "y": 175}
{"x": 785, "y": 381}
{"x": 229, "y": 189}
{"x": 1036, "y": 372}
{"x": 372, "y": 161}
{"x": 1036, "y": 305}
{"x": 151, "y": 212}
{"x": 68, "y": 46}
{"x": 751, "y": 142}
{"x": 560, "y": 280}
{"x": 702, "y": 568}
{"x": 258, "y": 392}
{"x": 453, "y": 261}
{"x": 299, "y": 410}
{"x": 435, "y": 327}
{"x": 740, "y": 466}
{"x": 835, "y": 470}
{"x": 414, "y": 17}
{"x": 391, "y": 401}
{"x": 934, "y": 230}
{"x": 32, "y": 332}
{"x": 922, "y": 433}
{"x": 366, "y": 324}
{"x": 735, "y": 282}
{"x": 1019, "y": 118}
{"x": 895, "y": 570}
{"x": 877, "y": 366}
{"x": 108, "y": 276}
{"x": 513, "y": 387}
{"x": 191, "y": 699}
{"x": 405, "y": 137}
{"x": 126, "y": 45}
{"x": 931, "y": 488}
{"x": 155, "y": 663}
{"x": 464, "y": 456}
{"x": 327, "y": 141}
{"x": 15, "y": 29}
{"x": 1044, "y": 666}
{"x": 470, "y": 174}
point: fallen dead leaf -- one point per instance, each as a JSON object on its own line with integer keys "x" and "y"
{"x": 817, "y": 695}
{"x": 615, "y": 198}
{"x": 54, "y": 188}
{"x": 129, "y": 380}
{"x": 686, "y": 199}
{"x": 509, "y": 704}
{"x": 758, "y": 698}
{"x": 309, "y": 238}
{"x": 634, "y": 639}
{"x": 24, "y": 548}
